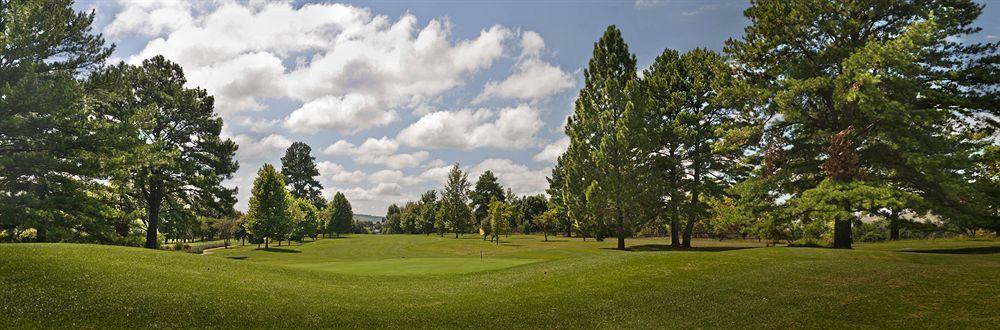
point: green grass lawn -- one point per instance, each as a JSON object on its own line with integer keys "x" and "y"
{"x": 407, "y": 281}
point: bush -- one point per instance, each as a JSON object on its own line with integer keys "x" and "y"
{"x": 873, "y": 236}
{"x": 809, "y": 242}
{"x": 28, "y": 235}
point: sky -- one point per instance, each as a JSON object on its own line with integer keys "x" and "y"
{"x": 391, "y": 94}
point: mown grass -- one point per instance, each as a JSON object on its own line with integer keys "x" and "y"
{"x": 375, "y": 281}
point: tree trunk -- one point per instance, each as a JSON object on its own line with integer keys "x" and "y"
{"x": 692, "y": 216}
{"x": 154, "y": 198}
{"x": 675, "y": 228}
{"x": 621, "y": 230}
{"x": 546, "y": 234}
{"x": 894, "y": 226}
{"x": 842, "y": 234}
{"x": 266, "y": 241}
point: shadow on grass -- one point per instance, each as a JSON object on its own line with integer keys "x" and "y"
{"x": 279, "y": 250}
{"x": 971, "y": 250}
{"x": 555, "y": 240}
{"x": 668, "y": 247}
{"x": 237, "y": 258}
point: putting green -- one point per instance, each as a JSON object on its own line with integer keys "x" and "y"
{"x": 415, "y": 266}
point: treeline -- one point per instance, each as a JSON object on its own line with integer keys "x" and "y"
{"x": 94, "y": 152}
{"x": 126, "y": 154}
{"x": 462, "y": 208}
{"x": 823, "y": 113}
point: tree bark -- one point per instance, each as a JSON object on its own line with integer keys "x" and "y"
{"x": 154, "y": 199}
{"x": 675, "y": 228}
{"x": 894, "y": 226}
{"x": 266, "y": 242}
{"x": 621, "y": 230}
{"x": 693, "y": 213}
{"x": 842, "y": 234}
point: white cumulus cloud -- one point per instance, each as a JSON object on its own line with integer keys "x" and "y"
{"x": 508, "y": 128}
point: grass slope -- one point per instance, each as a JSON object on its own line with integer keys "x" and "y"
{"x": 365, "y": 281}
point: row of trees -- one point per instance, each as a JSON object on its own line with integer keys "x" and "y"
{"x": 112, "y": 153}
{"x": 462, "y": 208}
{"x": 822, "y": 113}
{"x": 277, "y": 213}
{"x": 88, "y": 149}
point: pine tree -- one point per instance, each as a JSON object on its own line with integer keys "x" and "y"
{"x": 299, "y": 169}
{"x": 176, "y": 160}
{"x": 604, "y": 168}
{"x": 874, "y": 105}
{"x": 269, "y": 214}
{"x": 557, "y": 201}
{"x": 52, "y": 137}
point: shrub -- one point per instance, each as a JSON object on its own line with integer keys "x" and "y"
{"x": 28, "y": 235}
{"x": 809, "y": 242}
{"x": 873, "y": 236}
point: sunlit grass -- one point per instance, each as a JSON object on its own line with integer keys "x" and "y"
{"x": 407, "y": 280}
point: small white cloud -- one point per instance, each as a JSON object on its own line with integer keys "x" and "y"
{"x": 701, "y": 9}
{"x": 509, "y": 128}
{"x": 377, "y": 151}
{"x": 150, "y": 18}
{"x": 648, "y": 3}
{"x": 533, "y": 79}
{"x": 335, "y": 173}
{"x": 532, "y": 44}
{"x": 521, "y": 179}
{"x": 552, "y": 151}
{"x": 347, "y": 114}
{"x": 257, "y": 149}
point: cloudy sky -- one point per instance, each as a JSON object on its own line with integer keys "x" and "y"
{"x": 390, "y": 94}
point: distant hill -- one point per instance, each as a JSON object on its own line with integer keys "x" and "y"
{"x": 367, "y": 218}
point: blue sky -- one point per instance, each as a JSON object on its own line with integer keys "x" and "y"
{"x": 389, "y": 94}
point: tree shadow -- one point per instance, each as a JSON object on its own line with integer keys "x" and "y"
{"x": 555, "y": 241}
{"x": 238, "y": 258}
{"x": 971, "y": 250}
{"x": 280, "y": 250}
{"x": 668, "y": 247}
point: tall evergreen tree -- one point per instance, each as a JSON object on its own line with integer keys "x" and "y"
{"x": 54, "y": 143}
{"x": 880, "y": 103}
{"x": 269, "y": 213}
{"x": 177, "y": 159}
{"x": 557, "y": 201}
{"x": 690, "y": 117}
{"x": 604, "y": 163}
{"x": 299, "y": 169}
